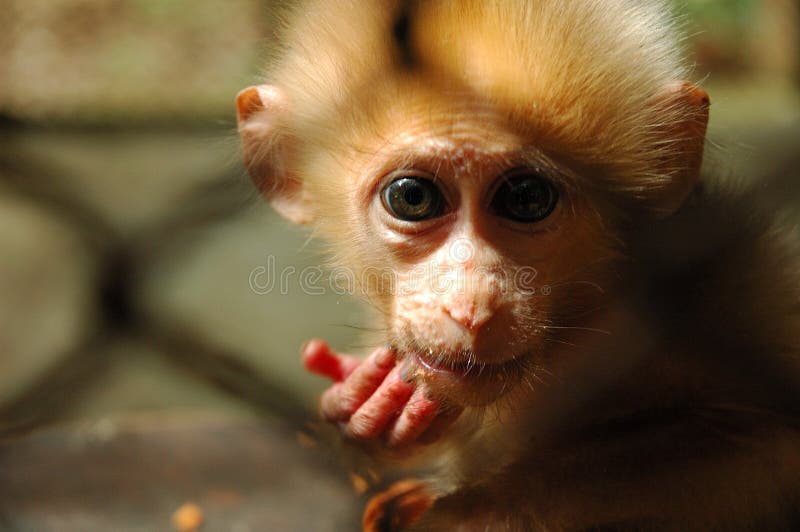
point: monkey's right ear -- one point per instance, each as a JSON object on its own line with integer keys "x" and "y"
{"x": 686, "y": 138}
{"x": 260, "y": 111}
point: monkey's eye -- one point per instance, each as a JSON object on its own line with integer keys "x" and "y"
{"x": 524, "y": 196}
{"x": 413, "y": 199}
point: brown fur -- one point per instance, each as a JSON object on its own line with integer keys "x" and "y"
{"x": 686, "y": 417}
{"x": 658, "y": 387}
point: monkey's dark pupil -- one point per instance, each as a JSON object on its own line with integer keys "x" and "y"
{"x": 414, "y": 195}
{"x": 528, "y": 198}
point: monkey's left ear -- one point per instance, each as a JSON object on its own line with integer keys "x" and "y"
{"x": 261, "y": 112}
{"x": 687, "y": 139}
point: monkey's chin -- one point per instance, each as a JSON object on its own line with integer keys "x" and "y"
{"x": 467, "y": 384}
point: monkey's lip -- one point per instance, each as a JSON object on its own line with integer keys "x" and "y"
{"x": 437, "y": 365}
{"x": 460, "y": 368}
{"x": 468, "y": 382}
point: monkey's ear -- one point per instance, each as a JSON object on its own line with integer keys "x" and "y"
{"x": 686, "y": 137}
{"x": 260, "y": 111}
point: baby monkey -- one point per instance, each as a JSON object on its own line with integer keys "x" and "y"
{"x": 580, "y": 333}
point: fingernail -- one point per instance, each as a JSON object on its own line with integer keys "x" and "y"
{"x": 408, "y": 373}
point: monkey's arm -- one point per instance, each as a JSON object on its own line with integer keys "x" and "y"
{"x": 371, "y": 400}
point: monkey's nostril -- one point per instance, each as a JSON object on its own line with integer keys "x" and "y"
{"x": 470, "y": 317}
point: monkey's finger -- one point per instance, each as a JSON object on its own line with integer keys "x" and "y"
{"x": 416, "y": 417}
{"x": 341, "y": 400}
{"x": 372, "y": 418}
{"x": 319, "y": 358}
{"x": 383, "y": 358}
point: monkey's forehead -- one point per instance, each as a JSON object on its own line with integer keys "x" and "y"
{"x": 445, "y": 120}
{"x": 427, "y": 124}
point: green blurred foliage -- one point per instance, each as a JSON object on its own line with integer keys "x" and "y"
{"x": 725, "y": 15}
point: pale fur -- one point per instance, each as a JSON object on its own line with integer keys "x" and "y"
{"x": 555, "y": 65}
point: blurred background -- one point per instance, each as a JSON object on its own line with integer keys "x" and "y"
{"x": 130, "y": 240}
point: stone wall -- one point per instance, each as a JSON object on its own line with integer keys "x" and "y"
{"x": 88, "y": 61}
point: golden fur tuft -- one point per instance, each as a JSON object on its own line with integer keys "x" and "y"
{"x": 583, "y": 77}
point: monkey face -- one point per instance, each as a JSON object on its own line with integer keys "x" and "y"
{"x": 484, "y": 229}
{"x": 490, "y": 246}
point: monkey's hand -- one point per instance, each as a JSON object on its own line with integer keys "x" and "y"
{"x": 370, "y": 399}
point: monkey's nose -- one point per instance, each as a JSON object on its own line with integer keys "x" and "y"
{"x": 470, "y": 316}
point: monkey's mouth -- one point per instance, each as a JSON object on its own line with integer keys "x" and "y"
{"x": 447, "y": 364}
{"x": 464, "y": 380}
{"x": 465, "y": 366}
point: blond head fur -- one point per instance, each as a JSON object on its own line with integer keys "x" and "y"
{"x": 588, "y": 78}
